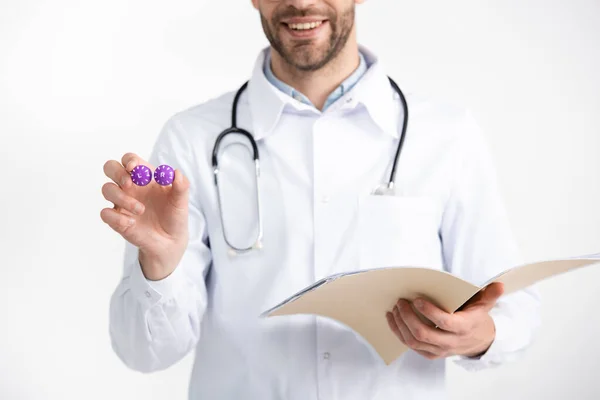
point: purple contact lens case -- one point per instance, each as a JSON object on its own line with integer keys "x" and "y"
{"x": 141, "y": 175}
{"x": 164, "y": 175}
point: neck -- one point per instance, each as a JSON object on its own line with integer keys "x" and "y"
{"x": 318, "y": 85}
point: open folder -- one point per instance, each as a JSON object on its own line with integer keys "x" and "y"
{"x": 360, "y": 299}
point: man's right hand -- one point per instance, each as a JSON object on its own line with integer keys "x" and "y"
{"x": 153, "y": 217}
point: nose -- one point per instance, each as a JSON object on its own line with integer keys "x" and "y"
{"x": 302, "y": 4}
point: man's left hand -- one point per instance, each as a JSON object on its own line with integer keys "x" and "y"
{"x": 468, "y": 332}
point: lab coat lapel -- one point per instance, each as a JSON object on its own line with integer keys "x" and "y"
{"x": 363, "y": 145}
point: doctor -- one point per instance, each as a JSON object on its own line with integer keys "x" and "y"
{"x": 327, "y": 123}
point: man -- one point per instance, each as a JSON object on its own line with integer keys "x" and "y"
{"x": 327, "y": 123}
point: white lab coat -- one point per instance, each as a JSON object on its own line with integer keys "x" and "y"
{"x": 317, "y": 172}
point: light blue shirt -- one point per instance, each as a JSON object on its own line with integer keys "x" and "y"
{"x": 336, "y": 94}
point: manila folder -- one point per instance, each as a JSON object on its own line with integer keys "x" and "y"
{"x": 360, "y": 299}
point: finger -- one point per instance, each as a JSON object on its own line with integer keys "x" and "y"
{"x": 409, "y": 338}
{"x": 117, "y": 173}
{"x": 117, "y": 221}
{"x": 420, "y": 330}
{"x": 394, "y": 327}
{"x": 132, "y": 160}
{"x": 440, "y": 318}
{"x": 493, "y": 292}
{"x": 396, "y": 330}
{"x": 117, "y": 196}
{"x": 486, "y": 298}
{"x": 180, "y": 191}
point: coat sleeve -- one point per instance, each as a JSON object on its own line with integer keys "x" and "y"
{"x": 478, "y": 244}
{"x": 154, "y": 324}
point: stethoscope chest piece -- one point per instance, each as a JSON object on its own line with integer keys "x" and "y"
{"x": 384, "y": 189}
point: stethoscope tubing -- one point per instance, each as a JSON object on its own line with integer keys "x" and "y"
{"x": 234, "y": 129}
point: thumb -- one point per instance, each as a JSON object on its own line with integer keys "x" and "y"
{"x": 491, "y": 294}
{"x": 179, "y": 190}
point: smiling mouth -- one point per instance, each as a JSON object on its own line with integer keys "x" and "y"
{"x": 304, "y": 26}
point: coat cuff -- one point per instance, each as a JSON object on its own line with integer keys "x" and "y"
{"x": 148, "y": 292}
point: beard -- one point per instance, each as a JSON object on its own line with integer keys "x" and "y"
{"x": 308, "y": 55}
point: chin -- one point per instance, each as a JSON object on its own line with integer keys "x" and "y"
{"x": 306, "y": 58}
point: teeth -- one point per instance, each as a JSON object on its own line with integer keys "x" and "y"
{"x": 306, "y": 25}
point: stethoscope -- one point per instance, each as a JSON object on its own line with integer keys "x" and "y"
{"x": 382, "y": 189}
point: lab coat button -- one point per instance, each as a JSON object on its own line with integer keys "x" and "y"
{"x": 148, "y": 294}
{"x": 326, "y": 355}
{"x": 325, "y": 199}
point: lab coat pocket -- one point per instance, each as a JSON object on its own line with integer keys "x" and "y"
{"x": 399, "y": 231}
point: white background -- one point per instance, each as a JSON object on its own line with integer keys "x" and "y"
{"x": 84, "y": 82}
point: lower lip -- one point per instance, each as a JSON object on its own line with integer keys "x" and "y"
{"x": 304, "y": 33}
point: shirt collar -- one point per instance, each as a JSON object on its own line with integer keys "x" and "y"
{"x": 342, "y": 89}
{"x": 373, "y": 91}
